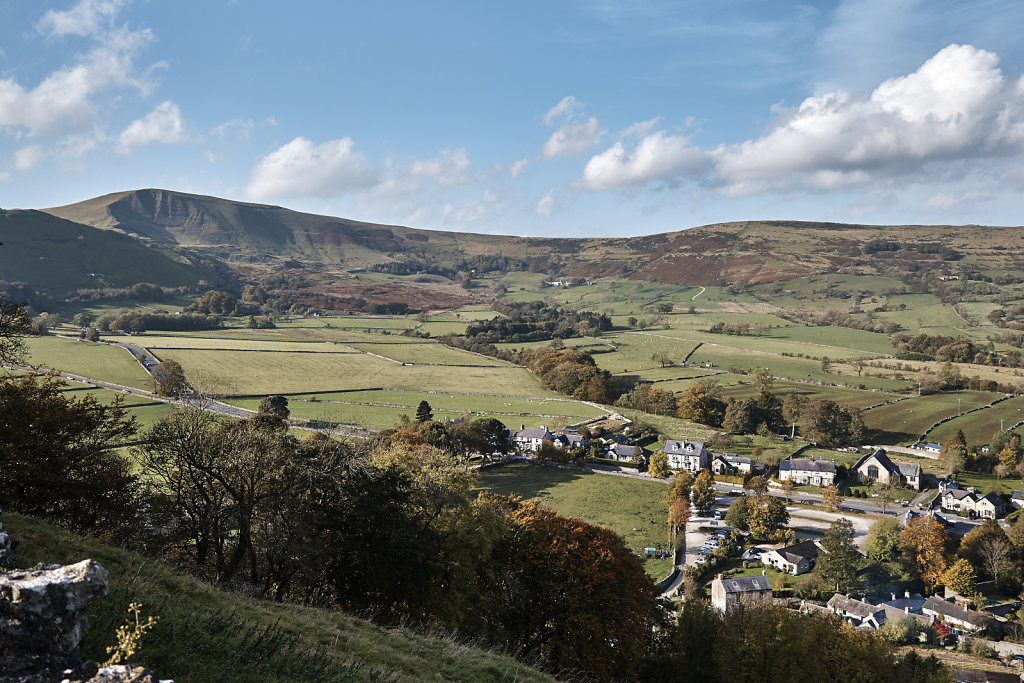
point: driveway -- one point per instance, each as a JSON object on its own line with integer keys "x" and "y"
{"x": 813, "y": 523}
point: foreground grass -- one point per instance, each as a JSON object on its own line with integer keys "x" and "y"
{"x": 636, "y": 509}
{"x": 204, "y": 634}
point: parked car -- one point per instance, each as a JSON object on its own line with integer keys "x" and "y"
{"x": 711, "y": 543}
{"x": 719, "y": 514}
{"x": 700, "y": 560}
{"x": 721, "y": 532}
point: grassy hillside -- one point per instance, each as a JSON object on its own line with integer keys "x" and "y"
{"x": 748, "y": 252}
{"x": 58, "y": 256}
{"x": 207, "y": 635}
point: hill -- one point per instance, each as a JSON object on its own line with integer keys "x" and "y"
{"x": 248, "y": 236}
{"x": 204, "y": 634}
{"x": 56, "y": 256}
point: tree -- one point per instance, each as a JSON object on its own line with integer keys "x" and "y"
{"x": 571, "y": 595}
{"x": 788, "y": 487}
{"x": 953, "y": 454}
{"x": 758, "y": 485}
{"x": 702, "y": 403}
{"x": 423, "y": 412}
{"x": 704, "y": 492}
{"x": 485, "y": 435}
{"x": 59, "y": 459}
{"x": 922, "y": 546}
{"x": 886, "y": 494}
{"x": 987, "y": 547}
{"x": 682, "y": 485}
{"x": 739, "y": 416}
{"x": 837, "y": 563}
{"x": 168, "y": 378}
{"x": 657, "y": 467}
{"x": 736, "y": 515}
{"x": 883, "y": 539}
{"x": 831, "y": 498}
{"x": 678, "y": 516}
{"x": 960, "y": 577}
{"x": 995, "y": 553}
{"x": 766, "y": 517}
{"x": 15, "y": 325}
{"x": 275, "y": 405}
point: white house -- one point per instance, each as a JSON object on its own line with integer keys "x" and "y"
{"x": 880, "y": 468}
{"x": 726, "y": 463}
{"x": 969, "y": 502}
{"x": 808, "y": 471}
{"x": 795, "y": 559}
{"x": 687, "y": 455}
{"x": 530, "y": 440}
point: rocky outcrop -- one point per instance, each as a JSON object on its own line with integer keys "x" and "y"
{"x": 43, "y": 620}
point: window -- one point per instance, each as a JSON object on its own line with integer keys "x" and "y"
{"x": 873, "y": 471}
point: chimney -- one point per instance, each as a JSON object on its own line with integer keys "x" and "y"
{"x": 906, "y": 609}
{"x": 894, "y": 596}
{"x": 906, "y": 594}
{"x": 764, "y": 572}
{"x": 522, "y": 427}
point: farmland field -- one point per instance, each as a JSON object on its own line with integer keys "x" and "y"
{"x": 110, "y": 363}
{"x": 464, "y": 402}
{"x": 910, "y": 418}
{"x": 635, "y": 509}
{"x": 979, "y": 426}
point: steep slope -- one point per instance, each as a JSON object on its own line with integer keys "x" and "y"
{"x": 57, "y": 256}
{"x": 204, "y": 634}
{"x": 253, "y": 235}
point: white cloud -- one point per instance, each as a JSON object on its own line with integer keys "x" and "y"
{"x": 567, "y": 109}
{"x": 547, "y": 204}
{"x": 515, "y": 169}
{"x": 657, "y": 157}
{"x": 489, "y": 205}
{"x": 447, "y": 168}
{"x": 164, "y": 124}
{"x": 639, "y": 129}
{"x": 572, "y": 139}
{"x": 85, "y": 18}
{"x": 29, "y": 157}
{"x": 64, "y": 102}
{"x": 304, "y": 169}
{"x": 957, "y": 105}
{"x": 237, "y": 127}
{"x": 950, "y": 201}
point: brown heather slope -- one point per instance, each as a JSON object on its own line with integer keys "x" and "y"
{"x": 254, "y": 236}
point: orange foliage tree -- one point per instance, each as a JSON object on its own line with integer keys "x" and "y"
{"x": 922, "y": 546}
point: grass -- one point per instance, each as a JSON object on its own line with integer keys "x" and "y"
{"x": 204, "y": 634}
{"x": 99, "y": 361}
{"x": 910, "y": 418}
{"x": 462, "y": 402}
{"x": 636, "y": 509}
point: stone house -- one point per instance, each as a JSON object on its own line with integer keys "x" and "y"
{"x": 969, "y": 502}
{"x": 530, "y": 440}
{"x": 728, "y": 592}
{"x": 687, "y": 455}
{"x": 880, "y": 468}
{"x": 960, "y": 619}
{"x": 808, "y": 471}
{"x": 795, "y": 559}
{"x": 727, "y": 463}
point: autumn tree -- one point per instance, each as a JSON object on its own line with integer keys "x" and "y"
{"x": 678, "y": 516}
{"x": 682, "y": 485}
{"x": 788, "y": 487}
{"x": 168, "y": 378}
{"x": 837, "y": 563}
{"x": 960, "y": 577}
{"x": 886, "y": 493}
{"x": 704, "y": 492}
{"x": 657, "y": 467}
{"x": 485, "y": 435}
{"x": 570, "y": 594}
{"x": 831, "y": 498}
{"x": 922, "y": 546}
{"x": 702, "y": 403}
{"x": 758, "y": 485}
{"x": 953, "y": 453}
{"x": 766, "y": 517}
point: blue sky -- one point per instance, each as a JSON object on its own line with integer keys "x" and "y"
{"x": 541, "y": 118}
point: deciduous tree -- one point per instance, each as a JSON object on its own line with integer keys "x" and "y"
{"x": 682, "y": 484}
{"x": 922, "y": 546}
{"x": 960, "y": 577}
{"x": 831, "y": 498}
{"x": 883, "y": 539}
{"x": 704, "y": 492}
{"x": 766, "y": 517}
{"x": 837, "y": 563}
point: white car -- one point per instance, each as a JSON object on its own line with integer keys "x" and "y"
{"x": 700, "y": 560}
{"x": 711, "y": 543}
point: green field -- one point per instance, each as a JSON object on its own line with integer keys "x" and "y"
{"x": 98, "y": 361}
{"x": 635, "y": 509}
{"x": 981, "y": 425}
{"x": 910, "y": 418}
{"x": 466, "y": 402}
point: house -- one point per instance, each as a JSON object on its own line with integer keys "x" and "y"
{"x": 864, "y": 615}
{"x": 727, "y": 593}
{"x": 969, "y": 502}
{"x": 623, "y": 453}
{"x": 727, "y": 463}
{"x": 880, "y": 468}
{"x": 808, "y": 471}
{"x": 530, "y": 440}
{"x": 928, "y": 447}
{"x": 687, "y": 455}
{"x": 795, "y": 559}
{"x": 961, "y": 620}
{"x": 572, "y": 441}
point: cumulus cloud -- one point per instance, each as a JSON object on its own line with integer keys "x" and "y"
{"x": 304, "y": 169}
{"x": 957, "y": 106}
{"x": 515, "y": 169}
{"x": 447, "y": 168}
{"x": 164, "y": 124}
{"x": 575, "y": 135}
{"x": 656, "y": 157}
{"x": 943, "y": 202}
{"x": 29, "y": 157}
{"x": 546, "y": 205}
{"x": 64, "y": 102}
{"x": 235, "y": 127}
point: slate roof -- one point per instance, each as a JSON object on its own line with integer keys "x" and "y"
{"x": 745, "y": 584}
{"x": 906, "y": 469}
{"x": 852, "y": 607}
{"x": 909, "y": 469}
{"x": 805, "y": 550}
{"x": 734, "y": 459}
{"x": 953, "y": 611}
{"x": 684, "y": 447}
{"x": 533, "y": 434}
{"x": 807, "y": 465}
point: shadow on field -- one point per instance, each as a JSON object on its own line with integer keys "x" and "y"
{"x": 881, "y": 436}
{"x": 525, "y": 479}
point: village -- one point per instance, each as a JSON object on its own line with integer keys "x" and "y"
{"x": 927, "y": 565}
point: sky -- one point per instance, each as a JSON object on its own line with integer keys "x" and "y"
{"x": 558, "y": 118}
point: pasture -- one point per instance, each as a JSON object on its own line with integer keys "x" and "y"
{"x": 636, "y": 509}
{"x": 100, "y": 361}
{"x": 906, "y": 420}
